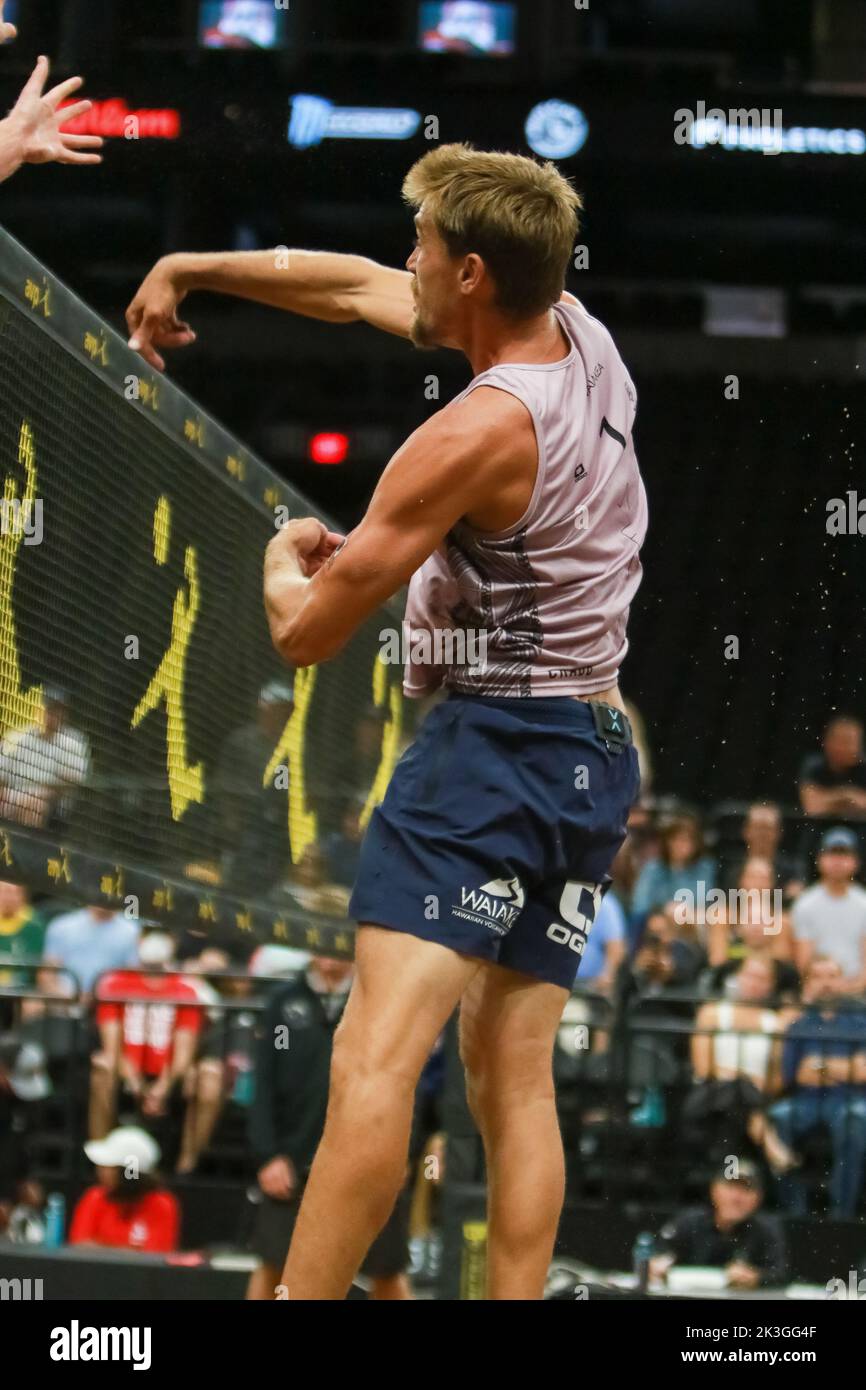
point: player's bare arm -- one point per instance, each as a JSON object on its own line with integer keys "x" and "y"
{"x": 474, "y": 459}
{"x": 315, "y": 284}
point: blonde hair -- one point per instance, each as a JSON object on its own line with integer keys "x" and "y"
{"x": 519, "y": 216}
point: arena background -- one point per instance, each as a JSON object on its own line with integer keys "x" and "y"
{"x": 710, "y": 265}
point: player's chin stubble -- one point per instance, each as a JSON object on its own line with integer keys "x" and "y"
{"x": 420, "y": 333}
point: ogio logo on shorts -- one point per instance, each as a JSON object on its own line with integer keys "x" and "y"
{"x": 563, "y": 936}
{"x": 578, "y": 905}
{"x": 496, "y": 904}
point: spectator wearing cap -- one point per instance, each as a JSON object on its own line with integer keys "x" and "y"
{"x": 129, "y": 1209}
{"x": 732, "y": 1234}
{"x": 829, "y": 919}
{"x": 254, "y": 818}
{"x": 41, "y": 765}
{"x": 833, "y": 782}
{"x": 824, "y": 1073}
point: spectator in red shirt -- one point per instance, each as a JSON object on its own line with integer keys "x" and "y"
{"x": 128, "y": 1209}
{"x": 148, "y": 1035}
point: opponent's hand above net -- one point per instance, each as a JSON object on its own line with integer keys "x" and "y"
{"x": 38, "y": 122}
{"x": 152, "y": 317}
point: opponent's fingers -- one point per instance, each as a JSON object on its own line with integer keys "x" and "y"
{"x": 71, "y": 113}
{"x": 181, "y": 337}
{"x": 82, "y": 142}
{"x": 150, "y": 355}
{"x": 75, "y": 157}
{"x": 134, "y": 315}
{"x": 62, "y": 91}
{"x": 141, "y": 340}
{"x": 36, "y": 81}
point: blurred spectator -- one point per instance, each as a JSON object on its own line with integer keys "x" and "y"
{"x": 293, "y": 1059}
{"x": 24, "y": 1217}
{"x": 833, "y": 782}
{"x": 342, "y": 849}
{"x": 669, "y": 955}
{"x": 761, "y": 833}
{"x": 91, "y": 940}
{"x": 40, "y": 765}
{"x": 366, "y": 753}
{"x": 309, "y": 877}
{"x": 22, "y": 932}
{"x": 752, "y": 923}
{"x": 605, "y": 946}
{"x": 254, "y": 811}
{"x": 824, "y": 1069}
{"x": 733, "y": 1235}
{"x": 149, "y": 1026}
{"x": 830, "y": 917}
{"x": 226, "y": 1053}
{"x": 681, "y": 866}
{"x": 639, "y": 847}
{"x": 736, "y": 1062}
{"x": 129, "y": 1209}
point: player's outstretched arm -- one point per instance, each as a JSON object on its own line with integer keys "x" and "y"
{"x": 317, "y": 284}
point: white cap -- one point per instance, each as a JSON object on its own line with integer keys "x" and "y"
{"x": 28, "y": 1077}
{"x": 123, "y": 1148}
{"x": 274, "y": 959}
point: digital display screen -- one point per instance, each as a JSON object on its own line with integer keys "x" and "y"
{"x": 481, "y": 28}
{"x": 242, "y": 24}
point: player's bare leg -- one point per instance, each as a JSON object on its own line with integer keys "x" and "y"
{"x": 404, "y": 991}
{"x": 508, "y": 1025}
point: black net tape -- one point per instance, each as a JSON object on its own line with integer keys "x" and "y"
{"x": 136, "y": 758}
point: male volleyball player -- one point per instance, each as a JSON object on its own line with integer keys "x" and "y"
{"x": 517, "y": 511}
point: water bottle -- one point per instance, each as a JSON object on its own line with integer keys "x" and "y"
{"x": 241, "y": 1060}
{"x": 642, "y": 1253}
{"x": 473, "y": 1269}
{"x": 55, "y": 1220}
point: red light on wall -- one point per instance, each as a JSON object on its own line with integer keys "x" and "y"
{"x": 113, "y": 118}
{"x": 329, "y": 448}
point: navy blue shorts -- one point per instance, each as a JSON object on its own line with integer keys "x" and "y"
{"x": 498, "y": 830}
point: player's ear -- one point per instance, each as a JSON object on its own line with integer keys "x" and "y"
{"x": 472, "y": 273}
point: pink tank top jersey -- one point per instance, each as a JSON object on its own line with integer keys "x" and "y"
{"x": 542, "y": 607}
